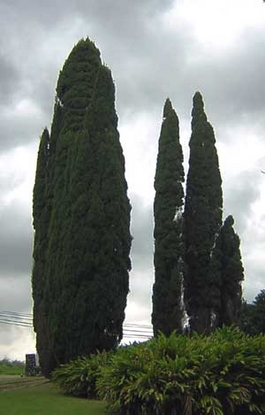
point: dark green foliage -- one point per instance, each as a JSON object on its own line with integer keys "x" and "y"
{"x": 259, "y": 312}
{"x": 41, "y": 219}
{"x": 75, "y": 86}
{"x": 228, "y": 259}
{"x": 253, "y": 315}
{"x": 81, "y": 253}
{"x": 202, "y": 222}
{"x": 247, "y": 322}
{"x": 221, "y": 374}
{"x": 167, "y": 291}
{"x": 78, "y": 377}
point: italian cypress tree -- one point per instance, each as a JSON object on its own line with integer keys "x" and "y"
{"x": 202, "y": 222}
{"x": 228, "y": 257}
{"x": 41, "y": 220}
{"x": 168, "y": 287}
{"x": 84, "y": 278}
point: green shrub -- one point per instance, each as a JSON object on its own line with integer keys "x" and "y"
{"x": 220, "y": 374}
{"x": 223, "y": 373}
{"x": 78, "y": 378}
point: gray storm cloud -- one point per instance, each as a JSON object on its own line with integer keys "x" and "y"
{"x": 15, "y": 242}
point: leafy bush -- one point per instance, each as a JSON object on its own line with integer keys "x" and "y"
{"x": 78, "y": 378}
{"x": 220, "y": 374}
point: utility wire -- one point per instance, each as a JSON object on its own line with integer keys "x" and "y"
{"x": 12, "y": 323}
{"x": 15, "y": 317}
{"x": 17, "y": 313}
{"x": 130, "y": 330}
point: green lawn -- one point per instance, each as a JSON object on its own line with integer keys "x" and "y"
{"x": 45, "y": 399}
{"x": 7, "y": 367}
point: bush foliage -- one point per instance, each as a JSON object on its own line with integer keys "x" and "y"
{"x": 78, "y": 377}
{"x": 220, "y": 374}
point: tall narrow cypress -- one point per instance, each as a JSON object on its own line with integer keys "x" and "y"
{"x": 228, "y": 257}
{"x": 84, "y": 279}
{"x": 167, "y": 290}
{"x": 202, "y": 222}
{"x": 41, "y": 210}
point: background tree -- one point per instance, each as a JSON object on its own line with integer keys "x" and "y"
{"x": 168, "y": 287}
{"x": 246, "y": 322}
{"x": 81, "y": 261}
{"x": 202, "y": 221}
{"x": 259, "y": 312}
{"x": 253, "y": 315}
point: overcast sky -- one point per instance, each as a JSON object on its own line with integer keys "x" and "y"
{"x": 155, "y": 49}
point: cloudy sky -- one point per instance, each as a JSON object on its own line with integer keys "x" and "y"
{"x": 155, "y": 49}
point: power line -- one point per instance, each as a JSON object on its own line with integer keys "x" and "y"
{"x": 10, "y": 319}
{"x": 130, "y": 330}
{"x": 15, "y": 318}
{"x": 148, "y": 326}
{"x": 13, "y": 323}
{"x": 16, "y": 314}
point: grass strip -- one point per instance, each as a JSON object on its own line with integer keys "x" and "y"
{"x": 46, "y": 399}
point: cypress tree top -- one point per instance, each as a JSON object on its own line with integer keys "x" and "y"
{"x": 197, "y": 113}
{"x": 75, "y": 86}
{"x": 170, "y": 170}
{"x": 167, "y": 108}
